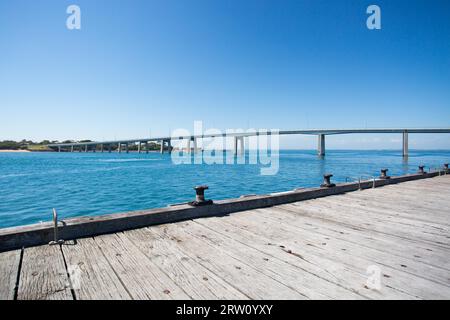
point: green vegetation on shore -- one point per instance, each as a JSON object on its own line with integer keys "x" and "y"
{"x": 42, "y": 146}
{"x": 25, "y": 145}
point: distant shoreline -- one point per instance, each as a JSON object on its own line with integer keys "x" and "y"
{"x": 14, "y": 151}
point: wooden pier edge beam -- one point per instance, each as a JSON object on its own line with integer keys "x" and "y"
{"x": 40, "y": 234}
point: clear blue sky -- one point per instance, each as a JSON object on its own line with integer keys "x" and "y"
{"x": 147, "y": 67}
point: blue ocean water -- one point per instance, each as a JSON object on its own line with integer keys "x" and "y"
{"x": 87, "y": 184}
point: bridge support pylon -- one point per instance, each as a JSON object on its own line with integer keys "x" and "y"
{"x": 321, "y": 145}
{"x": 195, "y": 150}
{"x": 405, "y": 144}
{"x": 188, "y": 147}
{"x": 239, "y": 141}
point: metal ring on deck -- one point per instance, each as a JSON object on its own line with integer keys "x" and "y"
{"x": 55, "y": 230}
{"x": 372, "y": 178}
{"x": 354, "y": 179}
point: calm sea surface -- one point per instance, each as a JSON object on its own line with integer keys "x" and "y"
{"x": 82, "y": 184}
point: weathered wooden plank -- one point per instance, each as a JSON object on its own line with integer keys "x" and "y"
{"x": 373, "y": 211}
{"x": 345, "y": 207}
{"x": 326, "y": 270}
{"x": 43, "y": 275}
{"x": 319, "y": 211}
{"x": 196, "y": 280}
{"x": 440, "y": 182}
{"x": 9, "y": 267}
{"x": 404, "y": 199}
{"x": 436, "y": 257}
{"x": 427, "y": 187}
{"x": 92, "y": 276}
{"x": 325, "y": 254}
{"x": 416, "y": 213}
{"x": 140, "y": 275}
{"x": 334, "y": 245}
{"x": 248, "y": 276}
{"x": 298, "y": 275}
{"x": 424, "y": 190}
{"x": 412, "y": 210}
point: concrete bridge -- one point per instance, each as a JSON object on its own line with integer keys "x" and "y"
{"x": 165, "y": 142}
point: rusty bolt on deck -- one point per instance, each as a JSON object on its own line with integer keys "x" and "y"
{"x": 200, "y": 197}
{"x": 384, "y": 175}
{"x": 421, "y": 170}
{"x": 327, "y": 181}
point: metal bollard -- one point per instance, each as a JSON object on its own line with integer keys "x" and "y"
{"x": 421, "y": 170}
{"x": 327, "y": 181}
{"x": 384, "y": 175}
{"x": 446, "y": 168}
{"x": 200, "y": 197}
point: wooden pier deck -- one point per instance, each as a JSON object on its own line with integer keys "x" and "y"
{"x": 337, "y": 247}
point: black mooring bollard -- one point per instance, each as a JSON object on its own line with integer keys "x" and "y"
{"x": 327, "y": 181}
{"x": 200, "y": 197}
{"x": 446, "y": 167}
{"x": 421, "y": 170}
{"x": 384, "y": 174}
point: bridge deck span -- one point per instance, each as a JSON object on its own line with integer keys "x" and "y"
{"x": 391, "y": 242}
{"x": 247, "y": 134}
{"x": 239, "y": 139}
